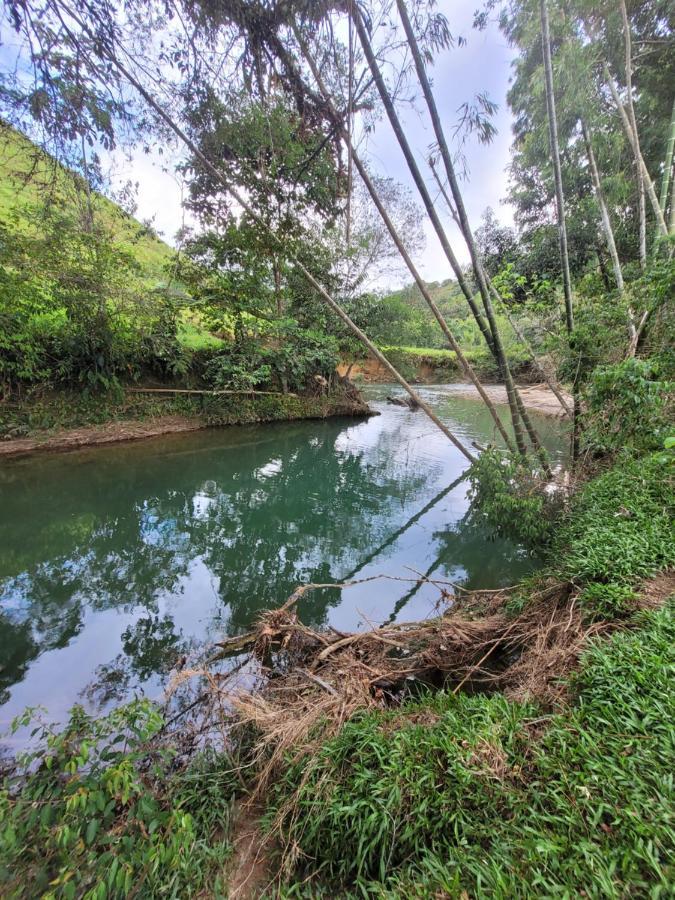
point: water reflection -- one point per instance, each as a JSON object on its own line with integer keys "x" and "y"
{"x": 114, "y": 562}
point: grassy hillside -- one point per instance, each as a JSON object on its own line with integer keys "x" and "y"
{"x": 29, "y": 178}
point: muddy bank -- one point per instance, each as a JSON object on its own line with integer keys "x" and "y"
{"x": 245, "y": 411}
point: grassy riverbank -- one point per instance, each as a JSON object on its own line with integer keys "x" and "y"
{"x": 488, "y": 794}
{"x": 61, "y": 420}
{"x": 448, "y": 794}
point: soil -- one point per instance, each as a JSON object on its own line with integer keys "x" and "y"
{"x": 249, "y": 870}
{"x": 537, "y": 397}
{"x": 111, "y": 432}
{"x": 654, "y": 592}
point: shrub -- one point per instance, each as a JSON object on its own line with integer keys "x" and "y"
{"x": 626, "y": 408}
{"x": 507, "y": 496}
{"x": 96, "y": 810}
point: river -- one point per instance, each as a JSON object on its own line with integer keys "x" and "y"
{"x": 117, "y": 562}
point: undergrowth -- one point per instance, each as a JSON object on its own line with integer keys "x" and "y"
{"x": 465, "y": 793}
{"x": 618, "y": 531}
{"x": 46, "y": 412}
{"x": 99, "y": 810}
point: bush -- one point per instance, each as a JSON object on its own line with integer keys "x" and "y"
{"x": 507, "y": 496}
{"x": 96, "y": 811}
{"x": 287, "y": 360}
{"x": 626, "y": 408}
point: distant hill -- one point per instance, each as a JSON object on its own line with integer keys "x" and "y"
{"x": 29, "y": 177}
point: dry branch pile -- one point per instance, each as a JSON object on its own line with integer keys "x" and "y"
{"x": 318, "y": 679}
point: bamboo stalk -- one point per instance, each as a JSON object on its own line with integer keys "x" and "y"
{"x": 136, "y": 390}
{"x": 395, "y": 236}
{"x": 516, "y": 406}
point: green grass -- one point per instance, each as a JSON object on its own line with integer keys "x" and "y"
{"x": 456, "y": 794}
{"x": 619, "y": 531}
{"x": 192, "y": 336}
{"x": 20, "y": 196}
{"x": 479, "y": 794}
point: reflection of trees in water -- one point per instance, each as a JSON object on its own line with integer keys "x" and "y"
{"x": 121, "y": 530}
{"x": 150, "y": 646}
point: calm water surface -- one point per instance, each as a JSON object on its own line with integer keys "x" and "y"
{"x": 116, "y": 562}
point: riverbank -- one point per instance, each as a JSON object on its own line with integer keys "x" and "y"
{"x": 428, "y": 365}
{"x": 138, "y": 417}
{"x": 537, "y": 397}
{"x": 542, "y": 766}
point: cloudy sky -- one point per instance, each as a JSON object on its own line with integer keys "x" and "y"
{"x": 482, "y": 64}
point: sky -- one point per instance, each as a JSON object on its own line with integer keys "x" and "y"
{"x": 482, "y": 64}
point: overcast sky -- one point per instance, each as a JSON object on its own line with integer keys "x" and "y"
{"x": 482, "y": 64}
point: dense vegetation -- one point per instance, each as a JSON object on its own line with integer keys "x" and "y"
{"x": 458, "y": 793}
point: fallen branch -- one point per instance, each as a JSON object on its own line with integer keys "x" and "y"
{"x": 149, "y": 390}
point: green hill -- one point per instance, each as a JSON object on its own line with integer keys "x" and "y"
{"x": 29, "y": 178}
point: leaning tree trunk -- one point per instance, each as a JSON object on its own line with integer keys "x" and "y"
{"x": 550, "y": 381}
{"x": 461, "y": 216}
{"x": 560, "y": 203}
{"x": 635, "y": 147}
{"x": 518, "y": 410}
{"x": 399, "y": 243}
{"x": 604, "y": 212}
{"x": 417, "y": 176}
{"x": 157, "y": 108}
{"x": 487, "y": 330}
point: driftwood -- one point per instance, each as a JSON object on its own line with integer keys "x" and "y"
{"x": 149, "y": 390}
{"x": 316, "y": 680}
{"x": 407, "y": 402}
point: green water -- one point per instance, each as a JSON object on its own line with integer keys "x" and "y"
{"x": 114, "y": 563}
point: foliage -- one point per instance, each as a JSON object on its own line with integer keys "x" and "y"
{"x": 627, "y": 408}
{"x": 619, "y": 529}
{"x": 286, "y": 358}
{"x": 75, "y": 310}
{"x": 451, "y": 795}
{"x": 97, "y": 809}
{"x": 507, "y": 496}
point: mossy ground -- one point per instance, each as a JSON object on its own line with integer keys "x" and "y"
{"x": 45, "y": 412}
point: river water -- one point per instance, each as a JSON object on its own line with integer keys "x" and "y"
{"x": 115, "y": 563}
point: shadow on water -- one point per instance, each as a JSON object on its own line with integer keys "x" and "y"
{"x": 115, "y": 562}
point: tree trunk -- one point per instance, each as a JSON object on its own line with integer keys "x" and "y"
{"x": 495, "y": 343}
{"x": 555, "y": 159}
{"x": 604, "y": 213}
{"x": 635, "y": 147}
{"x": 560, "y": 202}
{"x": 417, "y": 176}
{"x": 668, "y": 170}
{"x": 628, "y": 66}
{"x": 400, "y": 246}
